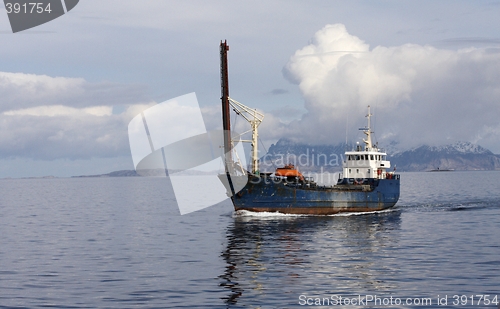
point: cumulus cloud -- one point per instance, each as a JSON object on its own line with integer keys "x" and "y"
{"x": 20, "y": 90}
{"x": 44, "y": 129}
{"x": 48, "y": 118}
{"x": 419, "y": 94}
{"x": 60, "y": 110}
{"x": 56, "y": 132}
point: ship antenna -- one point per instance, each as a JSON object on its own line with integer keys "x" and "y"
{"x": 346, "y": 126}
{"x": 368, "y": 131}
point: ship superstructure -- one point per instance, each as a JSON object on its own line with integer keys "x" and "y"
{"x": 366, "y": 162}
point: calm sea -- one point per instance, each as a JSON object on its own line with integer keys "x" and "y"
{"x": 121, "y": 243}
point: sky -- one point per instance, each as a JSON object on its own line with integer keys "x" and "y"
{"x": 430, "y": 70}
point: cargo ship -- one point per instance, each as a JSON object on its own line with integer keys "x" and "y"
{"x": 366, "y": 183}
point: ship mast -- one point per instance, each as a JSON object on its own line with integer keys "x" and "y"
{"x": 226, "y": 119}
{"x": 368, "y": 131}
{"x": 226, "y": 124}
{"x": 251, "y": 115}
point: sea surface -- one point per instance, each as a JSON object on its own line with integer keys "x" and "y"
{"x": 121, "y": 243}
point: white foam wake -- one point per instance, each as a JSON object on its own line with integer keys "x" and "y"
{"x": 275, "y": 215}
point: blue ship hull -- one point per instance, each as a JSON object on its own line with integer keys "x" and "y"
{"x": 269, "y": 194}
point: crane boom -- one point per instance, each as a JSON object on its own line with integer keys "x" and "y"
{"x": 255, "y": 118}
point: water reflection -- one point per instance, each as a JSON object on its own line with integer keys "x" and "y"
{"x": 281, "y": 257}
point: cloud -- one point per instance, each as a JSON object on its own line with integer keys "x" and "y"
{"x": 49, "y": 118}
{"x": 60, "y": 110}
{"x": 20, "y": 90}
{"x": 469, "y": 41}
{"x": 419, "y": 94}
{"x": 278, "y": 91}
{"x": 55, "y": 132}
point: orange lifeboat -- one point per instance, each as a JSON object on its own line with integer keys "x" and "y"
{"x": 288, "y": 171}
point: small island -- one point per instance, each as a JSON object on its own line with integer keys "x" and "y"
{"x": 442, "y": 170}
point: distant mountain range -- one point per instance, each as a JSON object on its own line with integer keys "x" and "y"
{"x": 148, "y": 173}
{"x": 461, "y": 156}
{"x": 123, "y": 173}
{"x": 458, "y": 156}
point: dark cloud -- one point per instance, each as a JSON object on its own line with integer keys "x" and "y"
{"x": 468, "y": 41}
{"x": 278, "y": 91}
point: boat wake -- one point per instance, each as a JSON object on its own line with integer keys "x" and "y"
{"x": 438, "y": 206}
{"x": 349, "y": 214}
{"x": 472, "y": 206}
{"x": 265, "y": 215}
{"x": 277, "y": 215}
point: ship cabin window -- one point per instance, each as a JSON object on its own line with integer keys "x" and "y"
{"x": 371, "y": 157}
{"x": 358, "y": 158}
{"x": 357, "y": 170}
{"x": 366, "y": 157}
{"x": 349, "y": 171}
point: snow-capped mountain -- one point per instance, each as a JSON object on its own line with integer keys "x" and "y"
{"x": 457, "y": 156}
{"x": 461, "y": 147}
